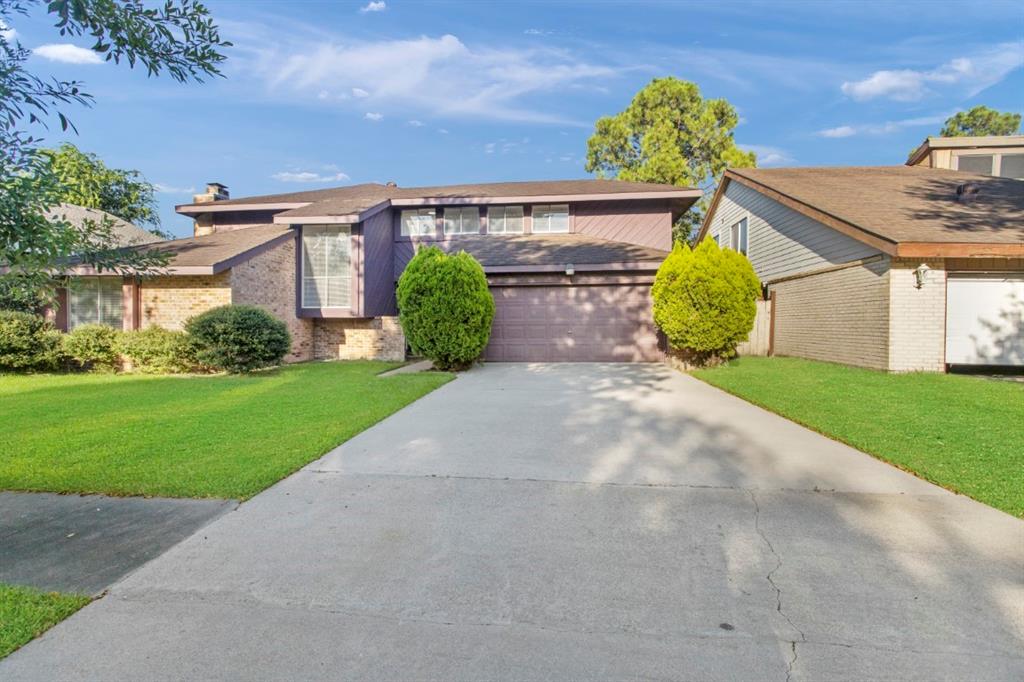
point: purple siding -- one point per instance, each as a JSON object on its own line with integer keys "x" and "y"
{"x": 377, "y": 256}
{"x": 648, "y": 223}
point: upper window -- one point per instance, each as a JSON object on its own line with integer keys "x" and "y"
{"x": 462, "y": 220}
{"x": 327, "y": 266}
{"x": 419, "y": 222}
{"x": 551, "y": 218}
{"x": 1012, "y": 166}
{"x": 505, "y": 220}
{"x": 975, "y": 163}
{"x": 95, "y": 300}
{"x": 739, "y": 236}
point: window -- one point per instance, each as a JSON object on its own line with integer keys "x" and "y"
{"x": 419, "y": 222}
{"x": 1012, "y": 166}
{"x": 95, "y": 300}
{"x": 326, "y": 266}
{"x": 551, "y": 218}
{"x": 462, "y": 220}
{"x": 739, "y": 237}
{"x": 505, "y": 220}
{"x": 975, "y": 163}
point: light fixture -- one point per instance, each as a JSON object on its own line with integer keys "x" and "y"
{"x": 570, "y": 270}
{"x": 921, "y": 274}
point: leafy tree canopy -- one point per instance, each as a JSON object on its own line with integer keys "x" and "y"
{"x": 85, "y": 180}
{"x": 672, "y": 135}
{"x": 980, "y": 121}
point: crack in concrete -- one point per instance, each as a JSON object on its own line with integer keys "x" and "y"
{"x": 770, "y": 577}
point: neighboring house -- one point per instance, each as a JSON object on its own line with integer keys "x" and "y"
{"x": 895, "y": 268}
{"x": 123, "y": 232}
{"x": 998, "y": 155}
{"x": 570, "y": 264}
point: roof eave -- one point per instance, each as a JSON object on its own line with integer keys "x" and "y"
{"x": 682, "y": 193}
{"x": 617, "y": 266}
{"x": 959, "y": 250}
{"x": 219, "y": 207}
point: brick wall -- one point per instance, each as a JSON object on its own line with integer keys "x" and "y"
{"x": 379, "y": 338}
{"x": 836, "y": 316}
{"x": 169, "y": 301}
{"x": 268, "y": 280}
{"x": 917, "y": 329}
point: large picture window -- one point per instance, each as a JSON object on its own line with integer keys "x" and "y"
{"x": 419, "y": 222}
{"x": 327, "y": 266}
{"x": 462, "y": 220}
{"x": 95, "y": 300}
{"x": 551, "y": 218}
{"x": 505, "y": 220}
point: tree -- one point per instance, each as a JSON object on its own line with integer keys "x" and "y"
{"x": 177, "y": 37}
{"x": 85, "y": 180}
{"x": 980, "y": 121}
{"x": 704, "y": 300}
{"x": 669, "y": 134}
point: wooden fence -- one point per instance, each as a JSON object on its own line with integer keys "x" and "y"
{"x": 759, "y": 341}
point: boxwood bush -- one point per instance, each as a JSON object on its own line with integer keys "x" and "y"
{"x": 92, "y": 346}
{"x": 238, "y": 338}
{"x": 156, "y": 350}
{"x": 28, "y": 342}
{"x": 705, "y": 300}
{"x": 445, "y": 307}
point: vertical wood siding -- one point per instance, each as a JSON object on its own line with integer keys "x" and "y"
{"x": 378, "y": 272}
{"x": 648, "y": 223}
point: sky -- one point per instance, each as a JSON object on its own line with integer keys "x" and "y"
{"x": 325, "y": 93}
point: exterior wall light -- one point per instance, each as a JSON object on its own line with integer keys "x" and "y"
{"x": 921, "y": 274}
{"x": 570, "y": 270}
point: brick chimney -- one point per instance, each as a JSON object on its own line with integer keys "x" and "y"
{"x": 214, "y": 192}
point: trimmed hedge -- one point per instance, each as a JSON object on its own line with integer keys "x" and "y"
{"x": 705, "y": 300}
{"x": 238, "y": 338}
{"x": 92, "y": 346}
{"x": 28, "y": 342}
{"x": 156, "y": 350}
{"x": 445, "y": 307}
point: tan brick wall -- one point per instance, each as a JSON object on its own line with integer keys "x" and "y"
{"x": 838, "y": 316}
{"x": 379, "y": 338}
{"x": 268, "y": 280}
{"x": 917, "y": 329}
{"x": 169, "y": 301}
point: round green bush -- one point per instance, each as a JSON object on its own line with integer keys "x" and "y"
{"x": 27, "y": 342}
{"x": 238, "y": 338}
{"x": 445, "y": 307}
{"x": 705, "y": 300}
{"x": 92, "y": 346}
{"x": 155, "y": 350}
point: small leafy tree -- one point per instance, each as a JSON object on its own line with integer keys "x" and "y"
{"x": 238, "y": 338}
{"x": 445, "y": 307}
{"x": 672, "y": 135}
{"x": 705, "y": 300}
{"x": 980, "y": 121}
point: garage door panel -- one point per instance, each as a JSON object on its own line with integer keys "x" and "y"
{"x": 985, "y": 320}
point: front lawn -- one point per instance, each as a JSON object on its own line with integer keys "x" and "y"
{"x": 26, "y": 613}
{"x": 964, "y": 433}
{"x": 188, "y": 436}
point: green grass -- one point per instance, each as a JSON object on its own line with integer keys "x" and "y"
{"x": 964, "y": 433}
{"x": 188, "y": 436}
{"x": 26, "y": 613}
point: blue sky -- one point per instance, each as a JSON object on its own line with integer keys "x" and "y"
{"x": 328, "y": 93}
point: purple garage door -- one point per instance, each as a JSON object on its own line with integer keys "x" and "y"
{"x": 573, "y": 324}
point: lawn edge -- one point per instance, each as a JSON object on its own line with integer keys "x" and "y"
{"x": 85, "y": 601}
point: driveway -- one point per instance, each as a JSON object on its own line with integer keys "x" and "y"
{"x": 571, "y": 522}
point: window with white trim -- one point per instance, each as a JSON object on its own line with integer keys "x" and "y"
{"x": 464, "y": 220}
{"x": 549, "y": 218}
{"x": 327, "y": 266}
{"x": 739, "y": 236}
{"x": 982, "y": 164}
{"x": 419, "y": 222}
{"x": 95, "y": 300}
{"x": 505, "y": 220}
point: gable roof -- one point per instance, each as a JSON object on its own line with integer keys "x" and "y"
{"x": 124, "y": 232}
{"x": 908, "y": 211}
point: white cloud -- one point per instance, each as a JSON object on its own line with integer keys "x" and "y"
{"x": 359, "y": 92}
{"x": 68, "y": 54}
{"x": 443, "y": 131}
{"x": 971, "y": 74}
{"x": 7, "y": 33}
{"x": 373, "y": 116}
{"x": 538, "y": 32}
{"x": 323, "y": 94}
{"x": 768, "y": 155}
{"x": 882, "y": 128}
{"x": 490, "y": 147}
{"x": 309, "y": 176}
{"x": 171, "y": 189}
{"x": 416, "y": 124}
{"x": 374, "y": 6}
{"x": 839, "y": 131}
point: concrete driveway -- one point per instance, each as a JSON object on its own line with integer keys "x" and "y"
{"x": 571, "y": 522}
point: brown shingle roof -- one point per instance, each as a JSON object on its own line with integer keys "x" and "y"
{"x": 550, "y": 249}
{"x": 903, "y": 203}
{"x": 215, "y": 252}
{"x": 124, "y": 232}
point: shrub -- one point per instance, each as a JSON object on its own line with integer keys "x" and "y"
{"x": 238, "y": 338}
{"x": 92, "y": 346}
{"x": 704, "y": 300}
{"x": 156, "y": 350}
{"x": 445, "y": 307}
{"x": 27, "y": 342}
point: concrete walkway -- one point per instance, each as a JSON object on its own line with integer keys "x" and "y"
{"x": 571, "y": 522}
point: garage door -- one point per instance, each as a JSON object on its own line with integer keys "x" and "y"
{"x": 985, "y": 319}
{"x": 573, "y": 324}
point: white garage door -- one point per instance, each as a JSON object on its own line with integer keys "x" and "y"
{"x": 985, "y": 319}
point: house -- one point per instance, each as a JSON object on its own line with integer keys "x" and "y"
{"x": 998, "y": 155}
{"x": 901, "y": 268}
{"x": 570, "y": 264}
